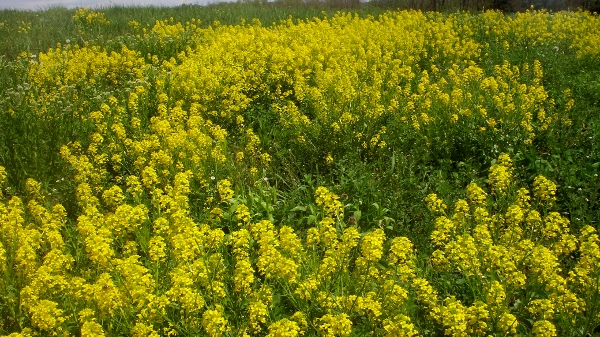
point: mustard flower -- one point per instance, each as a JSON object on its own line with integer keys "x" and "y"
{"x": 307, "y": 287}
{"x": 107, "y": 296}
{"x": 478, "y": 315}
{"x": 134, "y": 187}
{"x": 92, "y": 329}
{"x": 214, "y": 323}
{"x": 216, "y": 214}
{"x": 523, "y": 198}
{"x": 335, "y": 325}
{"x": 143, "y": 330}
{"x": 544, "y": 189}
{"x": 300, "y": 318}
{"x": 439, "y": 260}
{"x": 45, "y": 315}
{"x": 239, "y": 156}
{"x": 157, "y": 248}
{"x": 265, "y": 158}
{"x": 425, "y": 293}
{"x": 435, "y": 204}
{"x": 243, "y": 276}
{"x": 554, "y": 226}
{"x": 393, "y": 294}
{"x": 2, "y": 257}
{"x": 514, "y": 215}
{"x": 504, "y": 160}
{"x": 3, "y": 175}
{"x": 327, "y": 232}
{"x": 400, "y": 250}
{"x": 500, "y": 177}
{"x": 533, "y": 222}
{"x": 240, "y": 240}
{"x": 349, "y": 240}
{"x": 150, "y": 177}
{"x": 495, "y": 296}
{"x": 508, "y": 323}
{"x": 258, "y": 313}
{"x": 113, "y": 197}
{"x": 284, "y": 328}
{"x": 463, "y": 253}
{"x": 225, "y": 191}
{"x": 542, "y": 308}
{"x": 482, "y": 217}
{"x": 476, "y": 194}
{"x": 33, "y": 187}
{"x": 329, "y": 202}
{"x": 399, "y": 326}
{"x": 370, "y": 304}
{"x": 372, "y": 245}
{"x": 454, "y": 317}
{"x": 243, "y": 214}
{"x": 461, "y": 213}
{"x": 329, "y": 159}
{"x": 290, "y": 243}
{"x": 444, "y": 229}
{"x": 543, "y": 328}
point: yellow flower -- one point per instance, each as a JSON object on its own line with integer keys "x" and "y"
{"x": 400, "y": 250}
{"x": 284, "y": 328}
{"x": 243, "y": 214}
{"x": 542, "y": 308}
{"x": 329, "y": 202}
{"x": 157, "y": 248}
{"x": 3, "y": 176}
{"x": 508, "y": 323}
{"x": 399, "y": 326}
{"x": 454, "y": 317}
{"x": 312, "y": 237}
{"x": 214, "y": 323}
{"x": 33, "y": 187}
{"x": 372, "y": 245}
{"x": 243, "y": 276}
{"x": 544, "y": 189}
{"x": 257, "y": 312}
{"x": 500, "y": 177}
{"x": 225, "y": 191}
{"x": 476, "y": 194}
{"x": 114, "y": 196}
{"x": 45, "y": 315}
{"x": 335, "y": 325}
{"x": 435, "y": 204}
{"x": 543, "y": 328}
{"x": 92, "y": 329}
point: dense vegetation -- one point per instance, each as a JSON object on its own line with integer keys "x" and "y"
{"x": 255, "y": 170}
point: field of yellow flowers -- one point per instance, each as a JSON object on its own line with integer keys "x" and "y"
{"x": 406, "y": 174}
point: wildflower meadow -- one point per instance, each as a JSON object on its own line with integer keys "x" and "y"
{"x": 299, "y": 172}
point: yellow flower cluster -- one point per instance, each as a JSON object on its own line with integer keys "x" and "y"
{"x": 544, "y": 189}
{"x": 329, "y": 202}
{"x": 86, "y": 16}
{"x": 506, "y": 255}
{"x": 211, "y": 276}
{"x": 501, "y": 174}
{"x": 150, "y": 250}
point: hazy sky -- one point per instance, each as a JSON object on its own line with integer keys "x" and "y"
{"x": 41, "y": 4}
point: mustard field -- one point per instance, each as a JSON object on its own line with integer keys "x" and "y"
{"x": 402, "y": 174}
